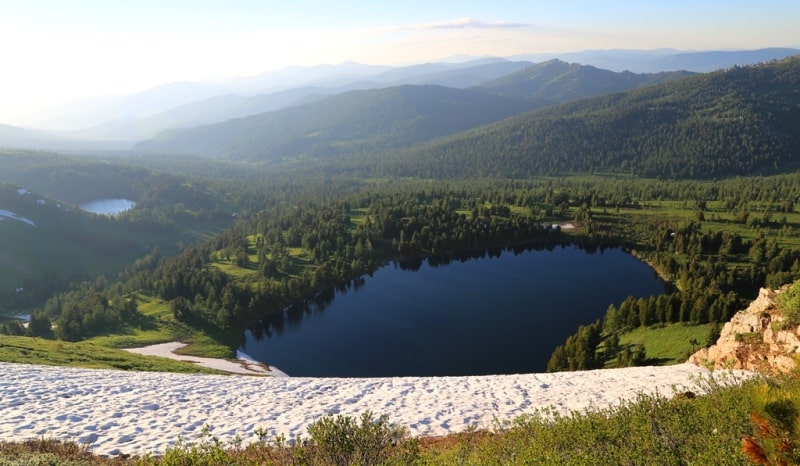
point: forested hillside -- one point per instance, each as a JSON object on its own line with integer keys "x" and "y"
{"x": 353, "y": 122}
{"x": 56, "y": 242}
{"x": 744, "y": 120}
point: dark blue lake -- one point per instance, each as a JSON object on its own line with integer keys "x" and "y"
{"x": 491, "y": 315}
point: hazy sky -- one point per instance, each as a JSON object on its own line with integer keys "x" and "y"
{"x": 54, "y": 50}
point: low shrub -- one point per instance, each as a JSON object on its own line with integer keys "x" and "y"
{"x": 788, "y": 302}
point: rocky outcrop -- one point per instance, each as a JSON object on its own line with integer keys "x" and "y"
{"x": 754, "y": 339}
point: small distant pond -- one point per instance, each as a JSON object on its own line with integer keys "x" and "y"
{"x": 502, "y": 313}
{"x": 108, "y": 206}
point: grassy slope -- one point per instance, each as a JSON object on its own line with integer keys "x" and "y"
{"x": 28, "y": 350}
{"x": 156, "y": 324}
{"x": 669, "y": 344}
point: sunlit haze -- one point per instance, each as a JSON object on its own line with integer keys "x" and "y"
{"x": 54, "y": 50}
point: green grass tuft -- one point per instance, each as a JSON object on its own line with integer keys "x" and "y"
{"x": 668, "y": 344}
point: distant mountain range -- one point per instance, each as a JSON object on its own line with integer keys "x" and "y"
{"x": 225, "y": 107}
{"x": 116, "y": 122}
{"x": 388, "y": 118}
{"x": 141, "y": 115}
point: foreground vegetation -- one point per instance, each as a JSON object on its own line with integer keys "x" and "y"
{"x": 750, "y": 423}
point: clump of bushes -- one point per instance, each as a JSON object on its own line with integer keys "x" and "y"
{"x": 48, "y": 452}
{"x": 333, "y": 440}
{"x": 341, "y": 440}
{"x": 788, "y": 301}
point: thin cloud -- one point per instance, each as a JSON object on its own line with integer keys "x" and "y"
{"x": 453, "y": 24}
{"x": 465, "y": 23}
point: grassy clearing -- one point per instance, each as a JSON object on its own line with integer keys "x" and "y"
{"x": 668, "y": 344}
{"x": 358, "y": 216}
{"x": 233, "y": 270}
{"x": 156, "y": 324}
{"x": 783, "y": 228}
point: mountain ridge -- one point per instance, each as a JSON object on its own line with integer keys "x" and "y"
{"x": 556, "y": 81}
{"x": 85, "y": 112}
{"x": 267, "y": 137}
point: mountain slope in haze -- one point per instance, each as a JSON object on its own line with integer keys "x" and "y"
{"x": 90, "y": 111}
{"x": 352, "y": 122}
{"x": 16, "y": 136}
{"x": 556, "y": 81}
{"x": 300, "y": 76}
{"x": 463, "y": 78}
{"x": 87, "y": 112}
{"x": 207, "y": 111}
{"x": 12, "y": 136}
{"x": 459, "y": 75}
{"x": 741, "y": 121}
{"x": 225, "y": 107}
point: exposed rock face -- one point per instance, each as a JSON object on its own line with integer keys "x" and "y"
{"x": 753, "y": 340}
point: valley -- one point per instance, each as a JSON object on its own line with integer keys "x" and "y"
{"x": 216, "y": 246}
{"x": 258, "y": 226}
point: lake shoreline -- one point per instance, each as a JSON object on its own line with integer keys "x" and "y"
{"x": 521, "y": 303}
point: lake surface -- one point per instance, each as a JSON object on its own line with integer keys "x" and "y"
{"x": 108, "y": 206}
{"x": 492, "y": 315}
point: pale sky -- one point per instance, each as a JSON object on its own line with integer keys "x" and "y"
{"x": 55, "y": 50}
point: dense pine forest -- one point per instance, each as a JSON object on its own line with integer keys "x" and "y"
{"x": 694, "y": 175}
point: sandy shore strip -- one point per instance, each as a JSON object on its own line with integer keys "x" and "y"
{"x": 146, "y": 412}
{"x": 242, "y": 365}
